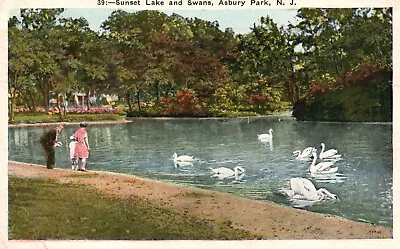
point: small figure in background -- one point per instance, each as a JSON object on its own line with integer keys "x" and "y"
{"x": 82, "y": 147}
{"x": 71, "y": 146}
{"x": 49, "y": 140}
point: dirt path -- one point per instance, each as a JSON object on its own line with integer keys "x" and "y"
{"x": 269, "y": 221}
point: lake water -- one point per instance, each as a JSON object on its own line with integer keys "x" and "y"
{"x": 145, "y": 147}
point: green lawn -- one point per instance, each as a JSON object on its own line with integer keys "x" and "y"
{"x": 40, "y": 117}
{"x": 43, "y": 209}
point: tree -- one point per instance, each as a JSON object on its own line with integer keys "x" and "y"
{"x": 335, "y": 41}
{"x": 86, "y": 56}
{"x": 266, "y": 61}
{"x": 40, "y": 24}
{"x": 161, "y": 55}
{"x": 344, "y": 49}
{"x": 20, "y": 65}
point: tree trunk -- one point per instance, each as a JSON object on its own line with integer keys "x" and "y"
{"x": 34, "y": 104}
{"x": 293, "y": 86}
{"x": 157, "y": 89}
{"x": 128, "y": 101}
{"x": 293, "y": 89}
{"x": 11, "y": 113}
{"x": 59, "y": 107}
{"x": 138, "y": 101}
{"x": 11, "y": 108}
{"x": 88, "y": 99}
{"x": 31, "y": 102}
{"x": 47, "y": 90}
{"x": 45, "y": 98}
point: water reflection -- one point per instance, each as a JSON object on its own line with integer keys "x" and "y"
{"x": 268, "y": 144}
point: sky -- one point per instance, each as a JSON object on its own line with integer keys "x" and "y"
{"x": 239, "y": 20}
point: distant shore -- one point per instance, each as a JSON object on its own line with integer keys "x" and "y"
{"x": 283, "y": 115}
{"x": 266, "y": 220}
{"x": 122, "y": 121}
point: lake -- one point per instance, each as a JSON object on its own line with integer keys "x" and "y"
{"x": 145, "y": 147}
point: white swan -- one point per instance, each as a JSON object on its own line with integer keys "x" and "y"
{"x": 227, "y": 171}
{"x": 327, "y": 154}
{"x": 266, "y": 137}
{"x": 183, "y": 158}
{"x": 178, "y": 164}
{"x": 322, "y": 167}
{"x": 305, "y": 154}
{"x": 304, "y": 189}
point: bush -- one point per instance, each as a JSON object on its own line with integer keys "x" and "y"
{"x": 184, "y": 103}
{"x": 355, "y": 103}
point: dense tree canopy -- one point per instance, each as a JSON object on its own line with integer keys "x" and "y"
{"x": 171, "y": 65}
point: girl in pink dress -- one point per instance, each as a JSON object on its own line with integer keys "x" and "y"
{"x": 82, "y": 146}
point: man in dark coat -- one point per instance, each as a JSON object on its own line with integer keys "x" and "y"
{"x": 48, "y": 140}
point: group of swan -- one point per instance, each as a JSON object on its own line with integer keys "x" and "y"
{"x": 221, "y": 172}
{"x": 301, "y": 188}
{"x": 307, "y": 154}
{"x": 304, "y": 189}
{"x": 329, "y": 157}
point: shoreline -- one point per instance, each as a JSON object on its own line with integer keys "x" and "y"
{"x": 105, "y": 122}
{"x": 125, "y": 120}
{"x": 266, "y": 220}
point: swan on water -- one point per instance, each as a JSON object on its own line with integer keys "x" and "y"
{"x": 328, "y": 154}
{"x": 227, "y": 171}
{"x": 178, "y": 164}
{"x": 304, "y": 189}
{"x": 305, "y": 154}
{"x": 183, "y": 158}
{"x": 266, "y": 137}
{"x": 236, "y": 176}
{"x": 322, "y": 167}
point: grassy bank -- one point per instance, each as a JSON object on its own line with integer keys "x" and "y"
{"x": 40, "y": 117}
{"x": 43, "y": 209}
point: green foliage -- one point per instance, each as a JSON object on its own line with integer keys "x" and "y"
{"x": 266, "y": 56}
{"x": 162, "y": 55}
{"x": 42, "y": 209}
{"x": 336, "y": 41}
{"x": 359, "y": 100}
{"x": 345, "y": 49}
{"x": 148, "y": 57}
